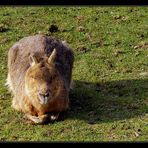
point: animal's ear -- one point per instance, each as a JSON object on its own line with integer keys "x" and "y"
{"x": 52, "y": 57}
{"x": 32, "y": 60}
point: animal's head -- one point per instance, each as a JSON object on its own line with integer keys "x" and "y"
{"x": 43, "y": 83}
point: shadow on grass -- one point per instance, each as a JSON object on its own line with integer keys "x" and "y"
{"x": 109, "y": 101}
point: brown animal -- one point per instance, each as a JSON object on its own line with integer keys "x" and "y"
{"x": 39, "y": 76}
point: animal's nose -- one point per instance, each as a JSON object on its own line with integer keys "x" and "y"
{"x": 44, "y": 94}
{"x": 44, "y": 97}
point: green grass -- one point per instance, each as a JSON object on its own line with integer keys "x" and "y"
{"x": 109, "y": 101}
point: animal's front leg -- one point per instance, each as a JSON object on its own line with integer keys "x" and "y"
{"x": 37, "y": 120}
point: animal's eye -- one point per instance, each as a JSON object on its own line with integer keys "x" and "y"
{"x": 32, "y": 77}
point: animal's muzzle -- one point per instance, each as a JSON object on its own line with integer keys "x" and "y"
{"x": 45, "y": 97}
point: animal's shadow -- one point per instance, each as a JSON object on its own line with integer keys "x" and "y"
{"x": 108, "y": 101}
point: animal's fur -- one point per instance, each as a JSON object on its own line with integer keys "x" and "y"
{"x": 31, "y": 69}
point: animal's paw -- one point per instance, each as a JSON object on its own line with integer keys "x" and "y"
{"x": 54, "y": 117}
{"x": 42, "y": 119}
{"x": 37, "y": 119}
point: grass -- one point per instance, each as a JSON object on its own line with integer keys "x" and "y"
{"x": 109, "y": 101}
